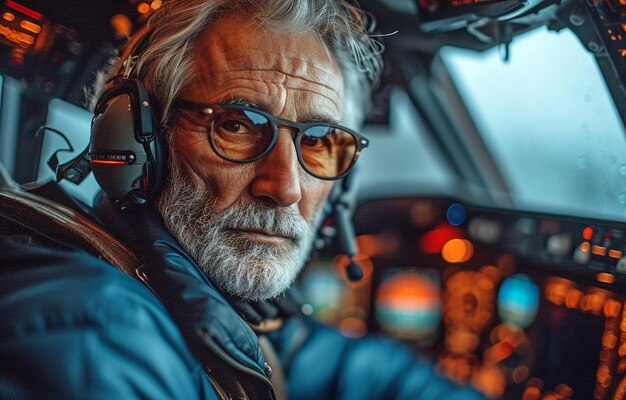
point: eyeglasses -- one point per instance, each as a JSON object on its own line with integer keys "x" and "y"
{"x": 243, "y": 134}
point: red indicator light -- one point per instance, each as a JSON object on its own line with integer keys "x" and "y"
{"x": 25, "y": 10}
{"x": 588, "y": 233}
{"x": 108, "y": 162}
{"x": 433, "y": 241}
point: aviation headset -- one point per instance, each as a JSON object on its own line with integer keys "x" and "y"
{"x": 127, "y": 150}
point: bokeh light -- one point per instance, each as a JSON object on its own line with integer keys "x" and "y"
{"x": 456, "y": 214}
{"x": 469, "y": 300}
{"x": 518, "y": 300}
{"x": 323, "y": 291}
{"x": 588, "y": 233}
{"x": 433, "y": 241}
{"x": 353, "y": 327}
{"x": 490, "y": 380}
{"x": 122, "y": 25}
{"x": 143, "y": 8}
{"x": 457, "y": 251}
{"x": 409, "y": 305}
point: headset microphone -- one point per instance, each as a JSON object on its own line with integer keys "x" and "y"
{"x": 347, "y": 240}
{"x": 342, "y": 203}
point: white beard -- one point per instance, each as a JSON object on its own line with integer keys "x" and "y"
{"x": 237, "y": 266}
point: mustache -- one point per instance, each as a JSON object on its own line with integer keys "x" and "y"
{"x": 252, "y": 216}
{"x": 195, "y": 208}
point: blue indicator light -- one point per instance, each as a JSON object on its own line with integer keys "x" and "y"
{"x": 518, "y": 300}
{"x": 456, "y": 214}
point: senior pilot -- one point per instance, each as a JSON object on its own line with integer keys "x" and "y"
{"x": 258, "y": 100}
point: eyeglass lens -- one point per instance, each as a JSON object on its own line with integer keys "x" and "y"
{"x": 244, "y": 135}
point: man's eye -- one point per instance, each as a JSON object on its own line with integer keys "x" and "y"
{"x": 310, "y": 141}
{"x": 231, "y": 126}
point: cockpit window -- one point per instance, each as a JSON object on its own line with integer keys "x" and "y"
{"x": 547, "y": 118}
{"x": 402, "y": 158}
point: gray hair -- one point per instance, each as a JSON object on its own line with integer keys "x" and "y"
{"x": 166, "y": 67}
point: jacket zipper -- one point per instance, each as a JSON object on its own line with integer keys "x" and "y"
{"x": 208, "y": 339}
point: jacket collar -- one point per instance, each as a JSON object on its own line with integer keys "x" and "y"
{"x": 197, "y": 307}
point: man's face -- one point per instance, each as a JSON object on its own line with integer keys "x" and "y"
{"x": 249, "y": 226}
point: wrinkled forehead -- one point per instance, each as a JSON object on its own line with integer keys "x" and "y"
{"x": 235, "y": 45}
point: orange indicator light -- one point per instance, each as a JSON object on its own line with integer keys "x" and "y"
{"x": 598, "y": 250}
{"x": 622, "y": 350}
{"x": 573, "y": 297}
{"x": 143, "y": 8}
{"x": 615, "y": 254}
{"x": 605, "y": 277}
{"x": 588, "y": 233}
{"x": 457, "y": 251}
{"x": 29, "y": 26}
{"x": 612, "y": 308}
{"x": 584, "y": 247}
{"x": 8, "y": 16}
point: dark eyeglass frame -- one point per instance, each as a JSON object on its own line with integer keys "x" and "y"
{"x": 361, "y": 141}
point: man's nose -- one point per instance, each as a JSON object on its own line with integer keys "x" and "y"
{"x": 277, "y": 175}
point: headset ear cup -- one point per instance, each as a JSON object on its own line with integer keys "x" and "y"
{"x": 125, "y": 149}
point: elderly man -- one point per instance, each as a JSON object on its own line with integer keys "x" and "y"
{"x": 253, "y": 97}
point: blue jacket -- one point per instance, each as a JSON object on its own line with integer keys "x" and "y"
{"x": 72, "y": 326}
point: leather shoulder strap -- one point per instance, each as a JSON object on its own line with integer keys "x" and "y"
{"x": 58, "y": 222}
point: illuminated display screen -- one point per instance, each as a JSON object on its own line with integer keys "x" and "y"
{"x": 518, "y": 300}
{"x": 479, "y": 292}
{"x": 20, "y": 26}
{"x": 324, "y": 292}
{"x": 408, "y": 305}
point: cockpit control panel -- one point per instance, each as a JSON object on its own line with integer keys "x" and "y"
{"x": 516, "y": 305}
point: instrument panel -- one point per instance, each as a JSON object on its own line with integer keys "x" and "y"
{"x": 517, "y": 305}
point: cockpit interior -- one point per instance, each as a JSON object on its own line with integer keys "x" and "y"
{"x": 489, "y": 210}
